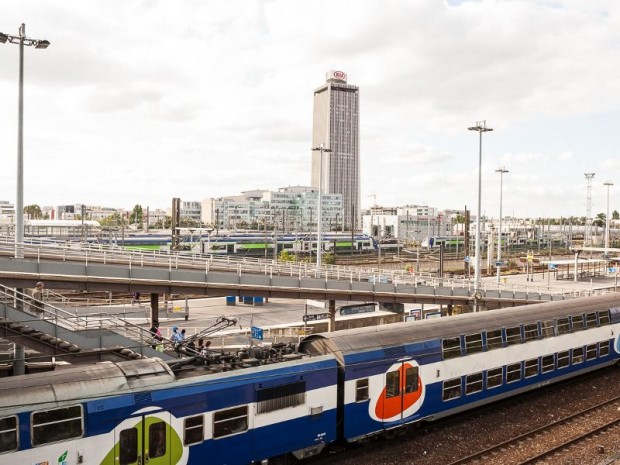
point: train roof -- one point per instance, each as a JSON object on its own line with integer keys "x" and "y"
{"x": 89, "y": 382}
{"x": 77, "y": 383}
{"x": 343, "y": 343}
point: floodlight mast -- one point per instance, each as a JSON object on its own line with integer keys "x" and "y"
{"x": 501, "y": 170}
{"x": 319, "y": 232}
{"x": 480, "y": 127}
{"x": 22, "y": 41}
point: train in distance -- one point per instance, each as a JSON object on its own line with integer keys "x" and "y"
{"x": 270, "y": 404}
{"x": 250, "y": 244}
{"x": 458, "y": 242}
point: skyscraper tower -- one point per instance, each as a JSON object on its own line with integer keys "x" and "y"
{"x": 336, "y": 126}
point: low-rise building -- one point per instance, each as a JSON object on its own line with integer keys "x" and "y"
{"x": 407, "y": 223}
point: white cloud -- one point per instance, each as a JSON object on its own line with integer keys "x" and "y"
{"x": 203, "y": 98}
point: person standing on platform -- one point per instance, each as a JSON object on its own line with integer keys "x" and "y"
{"x": 37, "y": 299}
{"x": 155, "y": 335}
{"x": 176, "y": 335}
{"x": 177, "y": 339}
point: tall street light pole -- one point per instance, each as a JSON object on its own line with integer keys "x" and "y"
{"x": 22, "y": 41}
{"x": 501, "y": 170}
{"x": 608, "y": 184}
{"x": 481, "y": 126}
{"x": 319, "y": 251}
{"x": 587, "y": 236}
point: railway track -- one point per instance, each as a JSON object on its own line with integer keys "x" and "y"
{"x": 443, "y": 441}
{"x": 551, "y": 439}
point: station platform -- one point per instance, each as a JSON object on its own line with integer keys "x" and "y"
{"x": 280, "y": 313}
{"x": 274, "y": 313}
{"x": 549, "y": 281}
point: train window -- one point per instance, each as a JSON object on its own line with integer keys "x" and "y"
{"x": 473, "y": 343}
{"x": 577, "y": 355}
{"x": 531, "y": 367}
{"x": 157, "y": 439}
{"x": 577, "y": 322}
{"x": 494, "y": 377}
{"x": 411, "y": 379}
{"x": 563, "y": 359}
{"x": 590, "y": 320}
{"x": 603, "y": 348}
{"x": 451, "y": 347}
{"x": 56, "y": 425}
{"x": 230, "y": 421}
{"x": 494, "y": 339}
{"x": 548, "y": 328}
{"x": 563, "y": 326}
{"x": 392, "y": 384}
{"x": 473, "y": 383}
{"x": 603, "y": 317}
{"x": 193, "y": 430}
{"x": 361, "y": 390}
{"x": 128, "y": 446}
{"x": 280, "y": 397}
{"x": 591, "y": 351}
{"x": 530, "y": 332}
{"x": 8, "y": 434}
{"x": 513, "y": 335}
{"x": 513, "y": 372}
{"x": 452, "y": 389}
{"x": 548, "y": 363}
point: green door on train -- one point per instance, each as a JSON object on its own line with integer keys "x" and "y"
{"x": 146, "y": 440}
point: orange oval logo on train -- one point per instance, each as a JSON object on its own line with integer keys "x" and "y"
{"x": 397, "y": 394}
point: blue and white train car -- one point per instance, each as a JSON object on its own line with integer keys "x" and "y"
{"x": 410, "y": 372}
{"x": 140, "y": 412}
{"x": 346, "y": 385}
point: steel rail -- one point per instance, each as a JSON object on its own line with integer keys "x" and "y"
{"x": 490, "y": 450}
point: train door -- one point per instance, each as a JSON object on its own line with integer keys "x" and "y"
{"x": 402, "y": 391}
{"x": 147, "y": 442}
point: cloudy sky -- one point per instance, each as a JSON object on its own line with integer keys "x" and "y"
{"x": 142, "y": 101}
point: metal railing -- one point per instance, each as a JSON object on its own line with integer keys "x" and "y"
{"x": 88, "y": 253}
{"x": 7, "y": 347}
{"x": 73, "y": 321}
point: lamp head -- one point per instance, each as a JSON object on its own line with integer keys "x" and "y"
{"x": 42, "y": 44}
{"x": 3, "y": 38}
{"x": 480, "y": 126}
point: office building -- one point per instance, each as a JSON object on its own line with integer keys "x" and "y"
{"x": 336, "y": 126}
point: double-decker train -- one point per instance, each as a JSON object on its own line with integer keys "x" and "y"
{"x": 268, "y": 404}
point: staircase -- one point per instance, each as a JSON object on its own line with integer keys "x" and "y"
{"x": 72, "y": 337}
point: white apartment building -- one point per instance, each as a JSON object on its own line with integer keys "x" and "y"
{"x": 191, "y": 210}
{"x": 289, "y": 209}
